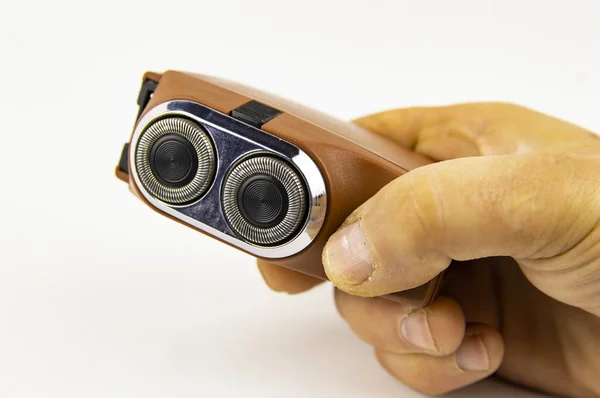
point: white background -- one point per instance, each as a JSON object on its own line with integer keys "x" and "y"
{"x": 101, "y": 297}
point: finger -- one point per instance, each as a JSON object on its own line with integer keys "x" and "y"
{"x": 394, "y": 327}
{"x": 464, "y": 209}
{"x": 463, "y": 130}
{"x": 281, "y": 279}
{"x": 479, "y": 356}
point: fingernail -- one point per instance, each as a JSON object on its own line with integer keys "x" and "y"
{"x": 347, "y": 255}
{"x": 415, "y": 329}
{"x": 472, "y": 355}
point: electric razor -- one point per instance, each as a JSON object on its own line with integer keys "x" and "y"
{"x": 257, "y": 172}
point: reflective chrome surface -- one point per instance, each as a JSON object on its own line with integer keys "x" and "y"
{"x": 234, "y": 140}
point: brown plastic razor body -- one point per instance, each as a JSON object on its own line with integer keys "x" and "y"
{"x": 354, "y": 162}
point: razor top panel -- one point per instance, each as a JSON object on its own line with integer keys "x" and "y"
{"x": 338, "y": 166}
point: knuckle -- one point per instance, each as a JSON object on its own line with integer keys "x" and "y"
{"x": 412, "y": 371}
{"x": 546, "y": 201}
{"x": 425, "y": 199}
{"x": 425, "y": 385}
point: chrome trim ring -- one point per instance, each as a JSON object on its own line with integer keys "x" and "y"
{"x": 234, "y": 140}
{"x": 296, "y": 198}
{"x": 204, "y": 150}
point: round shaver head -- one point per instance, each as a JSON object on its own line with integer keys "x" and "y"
{"x": 264, "y": 200}
{"x": 175, "y": 160}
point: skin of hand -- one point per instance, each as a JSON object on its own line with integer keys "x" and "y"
{"x": 512, "y": 209}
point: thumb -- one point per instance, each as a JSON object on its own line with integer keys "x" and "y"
{"x": 537, "y": 208}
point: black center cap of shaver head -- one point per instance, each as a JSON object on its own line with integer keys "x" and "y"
{"x": 173, "y": 160}
{"x": 263, "y": 201}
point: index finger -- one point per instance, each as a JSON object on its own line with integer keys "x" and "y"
{"x": 475, "y": 129}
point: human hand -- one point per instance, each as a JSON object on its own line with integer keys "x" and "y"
{"x": 514, "y": 204}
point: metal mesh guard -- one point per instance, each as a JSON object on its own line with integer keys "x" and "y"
{"x": 294, "y": 188}
{"x": 206, "y": 160}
